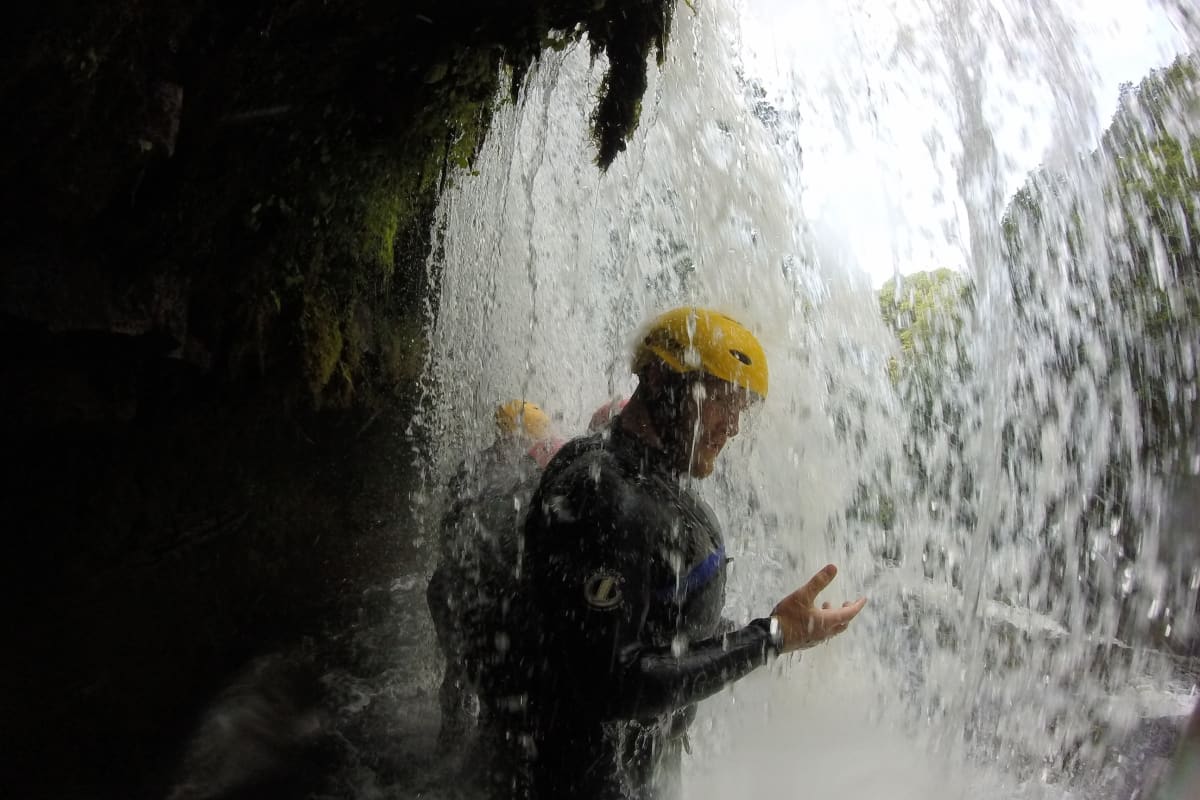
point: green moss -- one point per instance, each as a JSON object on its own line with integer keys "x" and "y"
{"x": 300, "y": 200}
{"x": 627, "y": 37}
{"x": 381, "y": 209}
{"x": 321, "y": 342}
{"x": 284, "y": 236}
{"x": 403, "y": 349}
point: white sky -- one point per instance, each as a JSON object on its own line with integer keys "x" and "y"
{"x": 878, "y": 126}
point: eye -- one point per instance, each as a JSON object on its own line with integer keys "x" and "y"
{"x": 740, "y": 356}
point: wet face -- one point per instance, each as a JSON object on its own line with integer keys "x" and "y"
{"x": 692, "y": 416}
{"x": 713, "y": 414}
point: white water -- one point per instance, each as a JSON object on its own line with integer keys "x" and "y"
{"x": 949, "y": 683}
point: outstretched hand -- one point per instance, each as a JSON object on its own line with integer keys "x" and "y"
{"x": 802, "y": 624}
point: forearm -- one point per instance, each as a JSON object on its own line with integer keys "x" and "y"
{"x": 656, "y": 681}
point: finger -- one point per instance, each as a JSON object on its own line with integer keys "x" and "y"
{"x": 809, "y": 591}
{"x": 826, "y": 605}
{"x": 830, "y": 633}
{"x": 841, "y": 616}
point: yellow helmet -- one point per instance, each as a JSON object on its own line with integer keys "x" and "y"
{"x": 518, "y": 415}
{"x": 693, "y": 339}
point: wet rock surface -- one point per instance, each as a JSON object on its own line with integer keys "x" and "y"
{"x": 1144, "y": 755}
{"x": 213, "y": 293}
{"x": 348, "y": 713}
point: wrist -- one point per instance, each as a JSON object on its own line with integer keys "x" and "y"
{"x": 774, "y": 630}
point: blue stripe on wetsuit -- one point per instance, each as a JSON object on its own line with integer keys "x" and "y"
{"x": 699, "y": 575}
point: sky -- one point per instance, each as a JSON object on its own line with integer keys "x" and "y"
{"x": 871, "y": 82}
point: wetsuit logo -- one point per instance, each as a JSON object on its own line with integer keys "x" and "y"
{"x": 602, "y": 590}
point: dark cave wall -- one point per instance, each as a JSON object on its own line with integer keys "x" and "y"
{"x": 212, "y": 297}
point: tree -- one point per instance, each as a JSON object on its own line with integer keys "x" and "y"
{"x": 1114, "y": 249}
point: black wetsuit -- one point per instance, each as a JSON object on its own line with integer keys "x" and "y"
{"x": 475, "y": 578}
{"x": 624, "y": 588}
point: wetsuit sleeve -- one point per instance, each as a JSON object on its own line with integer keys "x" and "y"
{"x": 655, "y": 680}
{"x": 595, "y": 579}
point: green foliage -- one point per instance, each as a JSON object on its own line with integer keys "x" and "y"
{"x": 1156, "y": 156}
{"x": 1140, "y": 306}
{"x": 924, "y": 309}
{"x": 1154, "y": 145}
{"x": 1149, "y": 153}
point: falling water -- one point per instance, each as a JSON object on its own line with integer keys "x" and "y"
{"x": 1002, "y": 516}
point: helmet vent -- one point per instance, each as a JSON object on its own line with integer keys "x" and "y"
{"x": 742, "y": 357}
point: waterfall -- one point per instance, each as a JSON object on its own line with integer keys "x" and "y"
{"x": 999, "y": 508}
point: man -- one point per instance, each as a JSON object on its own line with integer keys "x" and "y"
{"x": 478, "y": 552}
{"x": 626, "y": 577}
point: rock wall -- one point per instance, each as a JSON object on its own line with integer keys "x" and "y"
{"x": 212, "y": 298}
